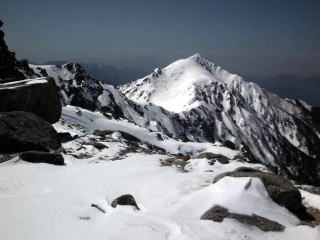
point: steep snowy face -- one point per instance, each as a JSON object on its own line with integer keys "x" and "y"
{"x": 207, "y": 103}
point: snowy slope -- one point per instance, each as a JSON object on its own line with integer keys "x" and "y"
{"x": 42, "y": 201}
{"x": 214, "y": 105}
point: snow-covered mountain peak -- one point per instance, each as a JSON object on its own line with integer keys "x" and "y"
{"x": 208, "y": 103}
{"x": 175, "y": 86}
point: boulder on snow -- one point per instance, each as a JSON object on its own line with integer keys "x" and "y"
{"x": 212, "y": 156}
{"x": 229, "y": 144}
{"x": 38, "y": 96}
{"x": 218, "y": 213}
{"x": 24, "y": 131}
{"x": 102, "y": 133}
{"x": 42, "y": 157}
{"x": 126, "y": 199}
{"x": 279, "y": 189}
{"x": 65, "y": 136}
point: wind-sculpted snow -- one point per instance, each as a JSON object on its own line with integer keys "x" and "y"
{"x": 211, "y": 104}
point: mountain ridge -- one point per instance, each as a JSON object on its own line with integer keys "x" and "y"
{"x": 237, "y": 110}
{"x": 214, "y": 106}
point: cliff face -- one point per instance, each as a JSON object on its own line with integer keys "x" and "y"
{"x": 8, "y": 62}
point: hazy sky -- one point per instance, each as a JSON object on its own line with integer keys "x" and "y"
{"x": 247, "y": 37}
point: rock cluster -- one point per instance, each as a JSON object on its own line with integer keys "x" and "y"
{"x": 27, "y": 109}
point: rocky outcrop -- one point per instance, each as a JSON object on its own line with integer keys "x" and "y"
{"x": 75, "y": 86}
{"x": 8, "y": 62}
{"x": 24, "y": 131}
{"x": 42, "y": 157}
{"x": 218, "y": 213}
{"x": 126, "y": 199}
{"x": 279, "y": 189}
{"x": 38, "y": 96}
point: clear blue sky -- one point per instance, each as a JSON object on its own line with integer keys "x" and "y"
{"x": 247, "y": 37}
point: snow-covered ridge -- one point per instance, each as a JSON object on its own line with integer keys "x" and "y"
{"x": 195, "y": 100}
{"x": 215, "y": 105}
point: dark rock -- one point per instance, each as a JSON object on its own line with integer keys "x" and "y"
{"x": 155, "y": 148}
{"x": 229, "y": 144}
{"x": 279, "y": 189}
{"x": 159, "y": 137}
{"x": 218, "y": 213}
{"x": 40, "y": 98}
{"x": 24, "y": 131}
{"x": 42, "y": 157}
{"x": 102, "y": 133}
{"x": 129, "y": 137}
{"x": 126, "y": 199}
{"x": 222, "y": 160}
{"x": 182, "y": 137}
{"x": 65, "y": 136}
{"x": 99, "y": 146}
{"x": 219, "y": 157}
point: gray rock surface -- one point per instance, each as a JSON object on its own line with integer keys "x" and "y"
{"x": 24, "y": 131}
{"x": 126, "y": 199}
{"x": 37, "y": 96}
{"x": 218, "y": 213}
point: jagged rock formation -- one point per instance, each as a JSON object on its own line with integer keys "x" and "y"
{"x": 8, "y": 62}
{"x": 24, "y": 131}
{"x": 38, "y": 96}
{"x": 76, "y": 87}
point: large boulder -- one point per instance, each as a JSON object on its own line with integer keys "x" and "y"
{"x": 126, "y": 199}
{"x": 42, "y": 157}
{"x": 38, "y": 96}
{"x": 218, "y": 214}
{"x": 281, "y": 191}
{"x": 24, "y": 131}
